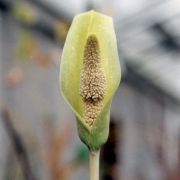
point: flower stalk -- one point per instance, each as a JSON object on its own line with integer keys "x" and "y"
{"x": 94, "y": 165}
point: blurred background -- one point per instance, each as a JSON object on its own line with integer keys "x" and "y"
{"x": 38, "y": 136}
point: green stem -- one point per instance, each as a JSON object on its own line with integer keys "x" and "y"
{"x": 94, "y": 165}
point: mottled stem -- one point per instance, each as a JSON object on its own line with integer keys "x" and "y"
{"x": 94, "y": 165}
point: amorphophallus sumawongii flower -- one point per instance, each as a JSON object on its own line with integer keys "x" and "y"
{"x": 90, "y": 74}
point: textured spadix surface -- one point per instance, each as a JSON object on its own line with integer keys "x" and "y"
{"x": 90, "y": 75}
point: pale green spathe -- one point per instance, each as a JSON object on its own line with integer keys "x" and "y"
{"x": 84, "y": 25}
